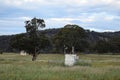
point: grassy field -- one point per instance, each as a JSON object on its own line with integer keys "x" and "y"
{"x": 51, "y": 67}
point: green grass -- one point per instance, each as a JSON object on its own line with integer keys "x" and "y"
{"x": 51, "y": 67}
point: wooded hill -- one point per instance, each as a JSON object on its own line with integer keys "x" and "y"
{"x": 95, "y": 39}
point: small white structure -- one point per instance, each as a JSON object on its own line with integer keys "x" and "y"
{"x": 23, "y": 53}
{"x": 70, "y": 59}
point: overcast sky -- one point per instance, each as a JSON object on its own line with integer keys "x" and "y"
{"x": 97, "y": 15}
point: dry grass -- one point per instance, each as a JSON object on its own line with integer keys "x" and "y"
{"x": 51, "y": 67}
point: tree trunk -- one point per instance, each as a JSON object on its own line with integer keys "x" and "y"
{"x": 34, "y": 57}
{"x": 73, "y": 50}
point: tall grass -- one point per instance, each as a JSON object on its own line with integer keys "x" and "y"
{"x": 51, "y": 67}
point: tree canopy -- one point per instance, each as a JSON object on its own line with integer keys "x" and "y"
{"x": 33, "y": 41}
{"x": 70, "y": 35}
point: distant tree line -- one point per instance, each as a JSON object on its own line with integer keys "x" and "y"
{"x": 73, "y": 35}
{"x": 107, "y": 46}
{"x": 60, "y": 40}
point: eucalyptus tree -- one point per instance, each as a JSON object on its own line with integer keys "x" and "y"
{"x": 36, "y": 40}
{"x": 33, "y": 40}
{"x": 71, "y": 37}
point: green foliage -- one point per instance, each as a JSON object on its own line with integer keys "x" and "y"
{"x": 106, "y": 42}
{"x": 33, "y": 41}
{"x": 102, "y": 46}
{"x": 23, "y": 42}
{"x": 115, "y": 44}
{"x": 18, "y": 41}
{"x": 1, "y": 52}
{"x": 112, "y": 45}
{"x": 70, "y": 35}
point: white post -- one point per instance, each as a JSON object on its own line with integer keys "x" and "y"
{"x": 70, "y": 59}
{"x": 23, "y": 53}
